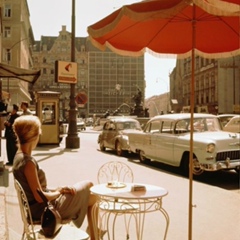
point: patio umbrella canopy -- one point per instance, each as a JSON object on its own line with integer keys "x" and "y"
{"x": 207, "y": 28}
{"x": 166, "y": 27}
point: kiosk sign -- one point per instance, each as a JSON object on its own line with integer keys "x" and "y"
{"x": 65, "y": 72}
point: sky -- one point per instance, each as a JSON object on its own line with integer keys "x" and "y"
{"x": 48, "y": 16}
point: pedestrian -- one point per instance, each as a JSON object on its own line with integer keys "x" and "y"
{"x": 73, "y": 202}
{"x": 11, "y": 143}
{"x": 26, "y": 110}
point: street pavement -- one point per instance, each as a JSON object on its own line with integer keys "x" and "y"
{"x": 216, "y": 215}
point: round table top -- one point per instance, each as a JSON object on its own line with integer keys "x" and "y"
{"x": 124, "y": 191}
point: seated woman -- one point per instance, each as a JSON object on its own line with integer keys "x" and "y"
{"x": 71, "y": 202}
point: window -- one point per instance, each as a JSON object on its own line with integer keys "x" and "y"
{"x": 167, "y": 127}
{"x": 8, "y": 55}
{"x": 82, "y": 48}
{"x": 48, "y": 113}
{"x": 155, "y": 127}
{"x": 181, "y": 127}
{"x": 7, "y": 10}
{"x": 7, "y": 32}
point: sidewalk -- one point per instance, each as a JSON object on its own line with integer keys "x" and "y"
{"x": 2, "y": 216}
{"x": 3, "y": 189}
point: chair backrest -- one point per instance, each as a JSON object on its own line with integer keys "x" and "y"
{"x": 115, "y": 171}
{"x": 25, "y": 211}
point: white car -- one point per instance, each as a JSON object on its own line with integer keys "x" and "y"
{"x": 233, "y": 125}
{"x": 225, "y": 118}
{"x": 166, "y": 138}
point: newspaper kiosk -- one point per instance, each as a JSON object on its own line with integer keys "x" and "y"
{"x": 47, "y": 109}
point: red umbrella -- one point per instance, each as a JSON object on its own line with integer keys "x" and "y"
{"x": 209, "y": 28}
{"x": 165, "y": 26}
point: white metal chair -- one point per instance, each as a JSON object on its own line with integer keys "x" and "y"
{"x": 112, "y": 172}
{"x": 29, "y": 232}
{"x": 115, "y": 171}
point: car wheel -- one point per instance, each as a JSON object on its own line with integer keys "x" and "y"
{"x": 185, "y": 166}
{"x": 142, "y": 157}
{"x": 196, "y": 167}
{"x": 119, "y": 150}
{"x": 102, "y": 147}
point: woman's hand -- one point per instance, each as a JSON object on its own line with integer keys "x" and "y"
{"x": 67, "y": 190}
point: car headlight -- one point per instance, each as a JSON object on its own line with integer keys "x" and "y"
{"x": 210, "y": 148}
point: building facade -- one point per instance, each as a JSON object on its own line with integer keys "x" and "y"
{"x": 109, "y": 81}
{"x": 17, "y": 41}
{"x": 113, "y": 81}
{"x": 216, "y": 85}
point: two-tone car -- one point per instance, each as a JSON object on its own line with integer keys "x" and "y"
{"x": 166, "y": 138}
{"x": 115, "y": 132}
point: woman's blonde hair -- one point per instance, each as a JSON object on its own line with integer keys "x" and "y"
{"x": 27, "y": 128}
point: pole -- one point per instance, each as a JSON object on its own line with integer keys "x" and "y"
{"x": 0, "y": 119}
{"x": 191, "y": 124}
{"x": 72, "y": 140}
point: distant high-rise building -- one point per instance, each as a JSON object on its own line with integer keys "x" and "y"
{"x": 108, "y": 80}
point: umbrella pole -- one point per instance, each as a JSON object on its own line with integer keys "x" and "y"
{"x": 191, "y": 124}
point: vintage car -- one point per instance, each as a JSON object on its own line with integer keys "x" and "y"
{"x": 225, "y": 118}
{"x": 166, "y": 139}
{"x": 115, "y": 132}
{"x": 80, "y": 125}
{"x": 233, "y": 125}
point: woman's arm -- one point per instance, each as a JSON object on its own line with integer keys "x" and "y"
{"x": 30, "y": 172}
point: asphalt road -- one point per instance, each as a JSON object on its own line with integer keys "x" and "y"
{"x": 216, "y": 195}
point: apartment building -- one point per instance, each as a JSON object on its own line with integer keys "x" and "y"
{"x": 16, "y": 42}
{"x": 216, "y": 85}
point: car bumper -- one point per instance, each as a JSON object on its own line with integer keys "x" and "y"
{"x": 227, "y": 164}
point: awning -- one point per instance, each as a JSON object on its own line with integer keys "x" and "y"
{"x": 8, "y": 71}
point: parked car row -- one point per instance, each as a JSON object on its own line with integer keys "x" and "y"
{"x": 166, "y": 138}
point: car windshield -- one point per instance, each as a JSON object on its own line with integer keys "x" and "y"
{"x": 225, "y": 120}
{"x": 199, "y": 125}
{"x": 128, "y": 125}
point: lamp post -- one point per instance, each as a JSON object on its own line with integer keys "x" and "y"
{"x": 154, "y": 104}
{"x": 72, "y": 140}
{"x": 8, "y": 56}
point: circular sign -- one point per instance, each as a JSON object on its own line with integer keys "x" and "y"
{"x": 81, "y": 98}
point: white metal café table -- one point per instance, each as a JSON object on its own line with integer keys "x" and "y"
{"x": 119, "y": 198}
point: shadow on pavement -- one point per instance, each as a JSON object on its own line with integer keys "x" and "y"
{"x": 226, "y": 179}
